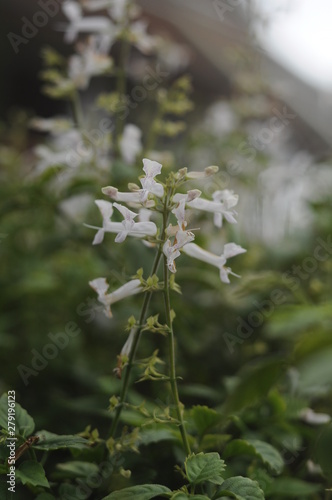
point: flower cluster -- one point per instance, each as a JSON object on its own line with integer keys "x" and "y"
{"x": 154, "y": 198}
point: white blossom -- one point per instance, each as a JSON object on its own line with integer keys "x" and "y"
{"x": 101, "y": 286}
{"x": 309, "y": 416}
{"x": 122, "y": 229}
{"x": 219, "y": 208}
{"x": 149, "y": 185}
{"x": 130, "y": 143}
{"x": 89, "y": 62}
{"x": 80, "y": 24}
{"x": 172, "y": 251}
{"x": 230, "y": 250}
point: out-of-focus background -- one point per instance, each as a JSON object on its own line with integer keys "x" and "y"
{"x": 261, "y": 76}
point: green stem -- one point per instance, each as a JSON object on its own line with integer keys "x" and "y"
{"x": 132, "y": 354}
{"x": 171, "y": 341}
{"x": 77, "y": 110}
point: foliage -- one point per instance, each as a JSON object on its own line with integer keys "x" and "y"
{"x": 248, "y": 413}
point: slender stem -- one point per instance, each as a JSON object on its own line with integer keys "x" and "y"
{"x": 77, "y": 110}
{"x": 171, "y": 340}
{"x": 132, "y": 354}
{"x": 172, "y": 369}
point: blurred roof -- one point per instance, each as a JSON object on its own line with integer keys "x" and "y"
{"x": 212, "y": 31}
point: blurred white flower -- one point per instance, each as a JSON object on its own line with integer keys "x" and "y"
{"x": 311, "y": 417}
{"x": 221, "y": 119}
{"x": 141, "y": 39}
{"x": 90, "y": 62}
{"x": 230, "y": 250}
{"x": 101, "y": 286}
{"x": 79, "y": 24}
{"x": 131, "y": 143}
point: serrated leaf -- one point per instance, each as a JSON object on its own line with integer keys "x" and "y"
{"x": 254, "y": 384}
{"x": 204, "y": 467}
{"x": 50, "y": 441}
{"x": 241, "y": 488}
{"x": 141, "y": 492}
{"x": 267, "y": 453}
{"x": 24, "y": 423}
{"x": 289, "y": 487}
{"x": 31, "y": 472}
{"x": 204, "y": 418}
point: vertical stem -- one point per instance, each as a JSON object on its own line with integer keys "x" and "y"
{"x": 172, "y": 369}
{"x": 77, "y": 110}
{"x": 171, "y": 341}
{"x": 132, "y": 354}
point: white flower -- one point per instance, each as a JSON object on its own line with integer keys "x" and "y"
{"x": 143, "y": 41}
{"x": 90, "y": 62}
{"x": 311, "y": 417}
{"x": 101, "y": 286}
{"x": 180, "y": 213}
{"x": 94, "y": 24}
{"x": 219, "y": 208}
{"x": 130, "y": 143}
{"x": 181, "y": 239}
{"x": 229, "y": 200}
{"x": 106, "y": 210}
{"x": 230, "y": 250}
{"x": 127, "y": 227}
{"x": 201, "y": 175}
{"x": 130, "y": 197}
{"x": 128, "y": 222}
{"x": 149, "y": 185}
{"x": 221, "y": 119}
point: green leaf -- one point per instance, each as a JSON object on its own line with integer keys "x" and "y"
{"x": 24, "y": 424}
{"x": 241, "y": 488}
{"x": 141, "y": 492}
{"x": 204, "y": 418}
{"x": 204, "y": 467}
{"x": 31, "y": 472}
{"x": 157, "y": 433}
{"x": 315, "y": 373}
{"x": 77, "y": 468}
{"x": 183, "y": 496}
{"x": 289, "y": 487}
{"x": 50, "y": 441}
{"x": 322, "y": 451}
{"x": 254, "y": 384}
{"x": 267, "y": 453}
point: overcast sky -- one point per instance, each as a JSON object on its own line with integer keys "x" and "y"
{"x": 299, "y": 35}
